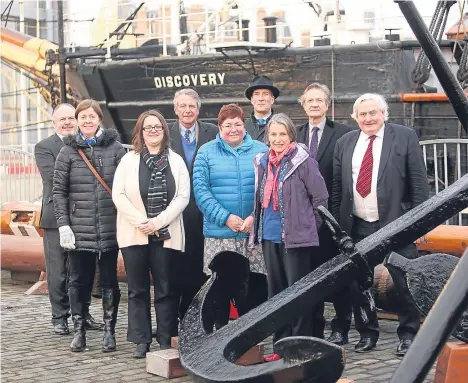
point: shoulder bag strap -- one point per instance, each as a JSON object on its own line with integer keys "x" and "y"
{"x": 94, "y": 171}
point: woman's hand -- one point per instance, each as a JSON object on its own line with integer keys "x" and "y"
{"x": 148, "y": 228}
{"x": 234, "y": 223}
{"x": 246, "y": 226}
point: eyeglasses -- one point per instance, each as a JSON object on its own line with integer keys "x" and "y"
{"x": 156, "y": 128}
{"x": 230, "y": 127}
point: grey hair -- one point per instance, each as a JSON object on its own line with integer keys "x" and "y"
{"x": 282, "y": 119}
{"x": 379, "y": 99}
{"x": 59, "y": 106}
{"x": 316, "y": 85}
{"x": 188, "y": 92}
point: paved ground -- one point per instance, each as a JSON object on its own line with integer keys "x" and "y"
{"x": 30, "y": 352}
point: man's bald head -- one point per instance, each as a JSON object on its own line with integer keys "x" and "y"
{"x": 64, "y": 119}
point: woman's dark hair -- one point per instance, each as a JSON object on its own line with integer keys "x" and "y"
{"x": 138, "y": 141}
{"x": 89, "y": 103}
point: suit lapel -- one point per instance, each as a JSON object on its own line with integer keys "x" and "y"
{"x": 303, "y": 134}
{"x": 327, "y": 135}
{"x": 176, "y": 138}
{"x": 389, "y": 136}
{"x": 347, "y": 160}
{"x": 57, "y": 144}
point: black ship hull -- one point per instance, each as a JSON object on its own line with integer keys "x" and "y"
{"x": 125, "y": 88}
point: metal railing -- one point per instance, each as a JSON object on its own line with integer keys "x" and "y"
{"x": 19, "y": 176}
{"x": 446, "y": 161}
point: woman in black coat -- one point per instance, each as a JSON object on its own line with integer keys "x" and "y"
{"x": 86, "y": 218}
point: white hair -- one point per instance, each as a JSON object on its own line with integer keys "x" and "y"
{"x": 188, "y": 92}
{"x": 374, "y": 97}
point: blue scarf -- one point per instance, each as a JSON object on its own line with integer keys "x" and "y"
{"x": 93, "y": 140}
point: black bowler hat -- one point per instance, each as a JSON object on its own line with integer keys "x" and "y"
{"x": 262, "y": 82}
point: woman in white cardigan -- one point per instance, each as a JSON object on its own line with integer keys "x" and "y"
{"x": 151, "y": 190}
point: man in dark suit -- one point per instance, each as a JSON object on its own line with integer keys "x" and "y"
{"x": 379, "y": 175}
{"x": 46, "y": 151}
{"x": 188, "y": 134}
{"x": 320, "y": 135}
{"x": 262, "y": 94}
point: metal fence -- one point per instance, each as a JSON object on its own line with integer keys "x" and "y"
{"x": 19, "y": 176}
{"x": 446, "y": 161}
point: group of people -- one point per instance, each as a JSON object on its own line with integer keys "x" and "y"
{"x": 191, "y": 191}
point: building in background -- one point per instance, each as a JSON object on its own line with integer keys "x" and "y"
{"x": 24, "y": 112}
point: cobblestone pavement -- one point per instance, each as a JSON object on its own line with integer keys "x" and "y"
{"x": 30, "y": 352}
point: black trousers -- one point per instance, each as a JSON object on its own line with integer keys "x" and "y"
{"x": 285, "y": 267}
{"x": 139, "y": 262}
{"x": 57, "y": 268}
{"x": 347, "y": 301}
{"x": 82, "y": 267}
{"x": 256, "y": 293}
{"x": 56, "y": 261}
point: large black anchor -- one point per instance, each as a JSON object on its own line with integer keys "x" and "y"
{"x": 209, "y": 356}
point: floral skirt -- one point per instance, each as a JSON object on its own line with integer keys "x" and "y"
{"x": 214, "y": 246}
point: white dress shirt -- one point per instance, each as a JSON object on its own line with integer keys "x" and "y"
{"x": 367, "y": 208}
{"x": 320, "y": 126}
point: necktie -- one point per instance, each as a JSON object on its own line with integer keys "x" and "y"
{"x": 314, "y": 142}
{"x": 261, "y": 121}
{"x": 363, "y": 185}
{"x": 187, "y": 135}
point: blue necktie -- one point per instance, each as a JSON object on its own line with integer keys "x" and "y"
{"x": 314, "y": 143}
{"x": 187, "y": 135}
{"x": 261, "y": 121}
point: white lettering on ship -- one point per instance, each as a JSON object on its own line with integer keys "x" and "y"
{"x": 202, "y": 79}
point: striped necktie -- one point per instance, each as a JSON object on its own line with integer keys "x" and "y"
{"x": 364, "y": 181}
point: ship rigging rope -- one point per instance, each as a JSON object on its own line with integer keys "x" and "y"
{"x": 422, "y": 69}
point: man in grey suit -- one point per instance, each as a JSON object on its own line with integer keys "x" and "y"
{"x": 188, "y": 134}
{"x": 46, "y": 151}
{"x": 378, "y": 175}
{"x": 320, "y": 134}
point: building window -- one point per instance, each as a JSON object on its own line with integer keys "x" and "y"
{"x": 230, "y": 29}
{"x": 369, "y": 17}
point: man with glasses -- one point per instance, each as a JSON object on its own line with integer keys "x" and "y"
{"x": 320, "y": 135}
{"x": 262, "y": 94}
{"x": 188, "y": 134}
{"x": 46, "y": 151}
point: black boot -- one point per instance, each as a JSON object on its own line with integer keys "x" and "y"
{"x": 110, "y": 306}
{"x": 78, "y": 343}
{"x": 77, "y": 307}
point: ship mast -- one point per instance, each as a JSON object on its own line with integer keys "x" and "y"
{"x": 61, "y": 52}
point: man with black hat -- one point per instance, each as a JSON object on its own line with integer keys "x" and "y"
{"x": 262, "y": 94}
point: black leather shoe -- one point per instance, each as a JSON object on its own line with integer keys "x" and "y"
{"x": 141, "y": 350}
{"x": 365, "y": 345}
{"x": 403, "y": 347}
{"x": 61, "y": 328}
{"x": 91, "y": 324}
{"x": 338, "y": 338}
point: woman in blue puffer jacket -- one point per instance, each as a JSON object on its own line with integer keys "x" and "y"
{"x": 224, "y": 186}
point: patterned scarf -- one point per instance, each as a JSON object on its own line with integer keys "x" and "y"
{"x": 271, "y": 184}
{"x": 157, "y": 190}
{"x": 92, "y": 140}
